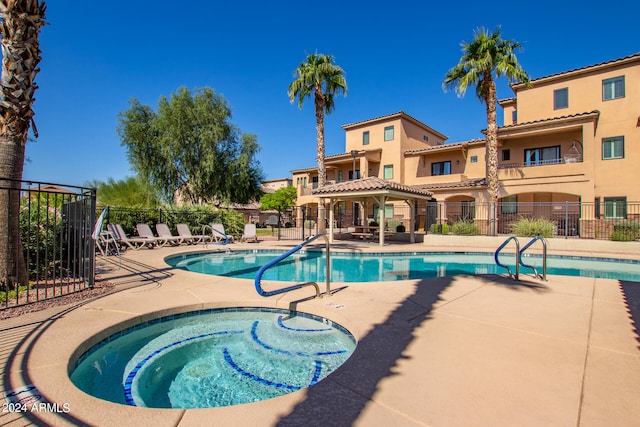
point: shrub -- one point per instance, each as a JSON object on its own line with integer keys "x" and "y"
{"x": 439, "y": 228}
{"x": 530, "y": 227}
{"x": 465, "y": 228}
{"x": 373, "y": 224}
{"x": 400, "y": 228}
{"x": 626, "y": 231}
{"x": 392, "y": 224}
{"x": 309, "y": 224}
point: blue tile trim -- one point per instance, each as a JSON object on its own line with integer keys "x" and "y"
{"x": 254, "y": 335}
{"x": 283, "y": 326}
{"x": 128, "y": 395}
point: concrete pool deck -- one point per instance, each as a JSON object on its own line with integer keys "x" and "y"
{"x": 452, "y": 351}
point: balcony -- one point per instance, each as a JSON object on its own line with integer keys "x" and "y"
{"x": 560, "y": 161}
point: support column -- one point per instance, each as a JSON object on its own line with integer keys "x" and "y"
{"x": 412, "y": 220}
{"x": 332, "y": 203}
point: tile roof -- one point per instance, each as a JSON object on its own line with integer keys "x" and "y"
{"x": 370, "y": 184}
{"x": 445, "y": 146}
{"x": 551, "y": 119}
{"x": 469, "y": 183}
{"x": 399, "y": 114}
{"x": 586, "y": 68}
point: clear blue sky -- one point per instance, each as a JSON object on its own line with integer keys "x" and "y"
{"x": 99, "y": 55}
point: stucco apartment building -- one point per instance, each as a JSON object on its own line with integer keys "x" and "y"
{"x": 569, "y": 143}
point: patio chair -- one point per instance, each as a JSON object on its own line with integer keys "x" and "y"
{"x": 117, "y": 233}
{"x": 145, "y": 231}
{"x": 219, "y": 234}
{"x": 250, "y": 233}
{"x": 165, "y": 233}
{"x": 185, "y": 233}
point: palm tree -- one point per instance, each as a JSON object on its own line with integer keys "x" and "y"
{"x": 19, "y": 29}
{"x": 320, "y": 77}
{"x": 486, "y": 55}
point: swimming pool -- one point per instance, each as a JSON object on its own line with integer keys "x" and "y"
{"x": 377, "y": 267}
{"x": 210, "y": 358}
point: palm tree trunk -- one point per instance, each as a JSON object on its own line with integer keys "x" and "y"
{"x": 489, "y": 90}
{"x": 322, "y": 173}
{"x": 13, "y": 270}
{"x": 19, "y": 30}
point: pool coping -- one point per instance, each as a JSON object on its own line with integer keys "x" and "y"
{"x": 601, "y": 345}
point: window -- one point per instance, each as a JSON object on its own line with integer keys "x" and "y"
{"x": 388, "y": 211}
{"x": 388, "y": 133}
{"x": 542, "y": 156}
{"x": 441, "y": 168}
{"x": 514, "y": 116}
{"x": 314, "y": 182}
{"x": 560, "y": 98}
{"x": 425, "y": 137}
{"x": 302, "y": 182}
{"x": 506, "y": 155}
{"x": 468, "y": 210}
{"x": 351, "y": 175}
{"x": 615, "y": 207}
{"x": 342, "y": 208}
{"x": 340, "y": 176}
{"x": 388, "y": 171}
{"x": 509, "y": 205}
{"x": 613, "y": 88}
{"x": 613, "y": 148}
{"x": 365, "y": 138}
{"x": 474, "y": 159}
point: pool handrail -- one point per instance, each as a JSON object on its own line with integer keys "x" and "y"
{"x": 213, "y": 232}
{"x": 495, "y": 256}
{"x": 279, "y": 258}
{"x": 544, "y": 257}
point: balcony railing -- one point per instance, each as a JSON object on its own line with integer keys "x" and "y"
{"x": 559, "y": 161}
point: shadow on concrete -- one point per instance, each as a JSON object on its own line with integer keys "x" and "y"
{"x": 19, "y": 338}
{"x": 631, "y": 293}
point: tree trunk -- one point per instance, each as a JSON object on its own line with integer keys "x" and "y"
{"x": 13, "y": 270}
{"x": 492, "y": 150}
{"x": 322, "y": 174}
{"x": 19, "y": 30}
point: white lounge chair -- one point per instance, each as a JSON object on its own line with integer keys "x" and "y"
{"x": 219, "y": 235}
{"x": 165, "y": 233}
{"x": 117, "y": 233}
{"x": 145, "y": 231}
{"x": 185, "y": 233}
{"x": 250, "y": 233}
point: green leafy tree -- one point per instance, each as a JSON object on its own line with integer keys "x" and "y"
{"x": 321, "y": 78}
{"x": 483, "y": 60}
{"x": 190, "y": 146}
{"x": 19, "y": 31}
{"x": 131, "y": 192}
{"x": 280, "y": 200}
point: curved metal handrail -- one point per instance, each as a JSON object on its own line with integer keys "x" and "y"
{"x": 544, "y": 257}
{"x": 213, "y": 231}
{"x": 276, "y": 260}
{"x": 495, "y": 256}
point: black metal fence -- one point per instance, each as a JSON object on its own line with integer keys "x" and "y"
{"x": 615, "y": 220}
{"x": 55, "y": 247}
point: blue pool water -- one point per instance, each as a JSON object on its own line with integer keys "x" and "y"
{"x": 211, "y": 358}
{"x": 358, "y": 267}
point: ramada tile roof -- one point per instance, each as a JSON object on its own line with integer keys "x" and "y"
{"x": 370, "y": 184}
